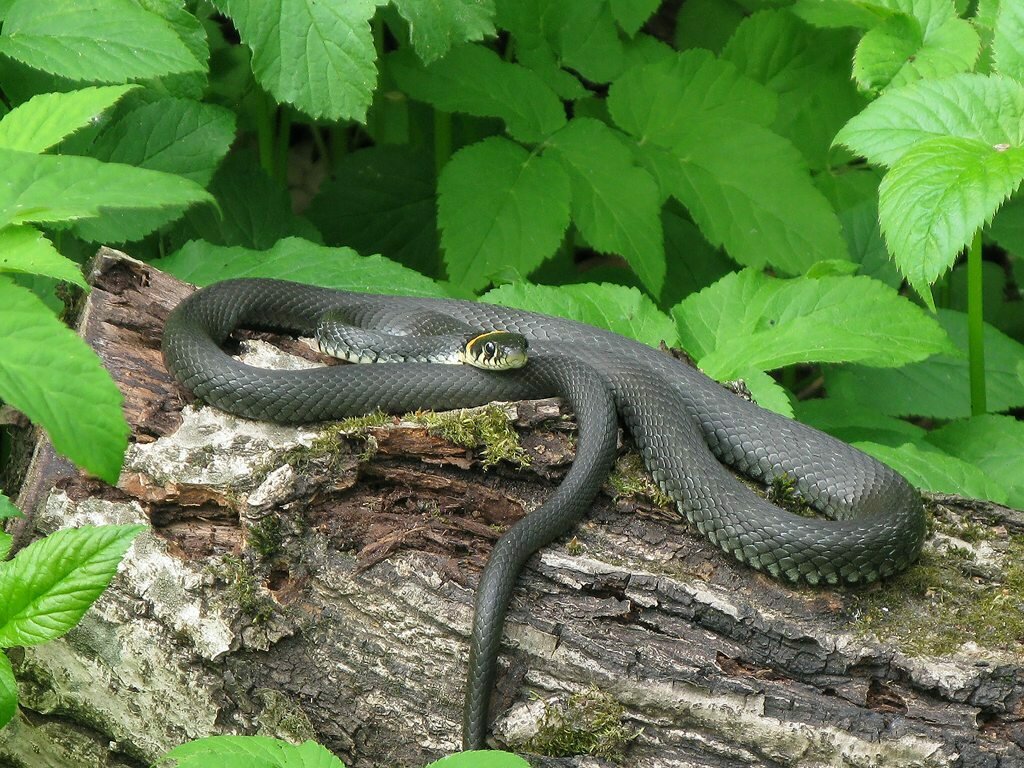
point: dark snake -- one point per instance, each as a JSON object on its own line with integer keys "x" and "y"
{"x": 683, "y": 423}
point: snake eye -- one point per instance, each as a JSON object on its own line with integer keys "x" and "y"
{"x": 490, "y": 350}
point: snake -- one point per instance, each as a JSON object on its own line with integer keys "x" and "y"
{"x": 687, "y": 428}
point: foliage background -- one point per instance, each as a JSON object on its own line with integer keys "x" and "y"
{"x": 816, "y": 196}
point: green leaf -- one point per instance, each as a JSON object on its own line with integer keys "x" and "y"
{"x": 24, "y": 249}
{"x": 937, "y": 196}
{"x": 852, "y": 422}
{"x": 47, "y": 119}
{"x": 1007, "y": 228}
{"x": 54, "y": 378}
{"x": 932, "y": 470}
{"x": 250, "y": 752}
{"x": 437, "y": 25}
{"x": 47, "y": 188}
{"x": 178, "y": 136}
{"x": 707, "y": 24}
{"x": 937, "y": 388}
{"x": 749, "y": 321}
{"x": 383, "y": 200}
{"x": 7, "y": 509}
{"x": 831, "y": 14}
{"x": 252, "y": 209}
{"x": 994, "y": 444}
{"x": 51, "y": 583}
{"x": 588, "y": 41}
{"x": 808, "y": 69}
{"x": 1008, "y": 39}
{"x": 8, "y": 691}
{"x": 745, "y": 187}
{"x": 480, "y": 759}
{"x": 616, "y": 308}
{"x": 475, "y": 80}
{"x": 301, "y": 261}
{"x": 631, "y": 14}
{"x": 924, "y": 39}
{"x": 615, "y": 204}
{"x": 317, "y": 56}
{"x": 655, "y": 102}
{"x": 982, "y": 107}
{"x": 500, "y": 206}
{"x": 105, "y": 41}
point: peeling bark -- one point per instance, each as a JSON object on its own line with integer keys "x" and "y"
{"x": 299, "y": 592}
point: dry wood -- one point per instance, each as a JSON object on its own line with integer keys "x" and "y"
{"x": 327, "y": 594}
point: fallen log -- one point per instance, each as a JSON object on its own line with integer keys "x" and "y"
{"x": 317, "y": 582}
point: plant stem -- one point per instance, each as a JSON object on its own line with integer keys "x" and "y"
{"x": 284, "y": 135}
{"x": 442, "y": 139}
{"x": 265, "y": 134}
{"x": 976, "y": 327}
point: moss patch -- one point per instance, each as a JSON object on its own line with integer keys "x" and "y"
{"x": 948, "y": 598}
{"x": 782, "y": 492}
{"x": 487, "y": 428}
{"x": 244, "y": 589}
{"x": 629, "y": 477}
{"x": 589, "y": 723}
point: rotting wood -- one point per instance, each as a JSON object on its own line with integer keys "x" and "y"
{"x": 330, "y": 598}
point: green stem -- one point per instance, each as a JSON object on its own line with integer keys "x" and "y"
{"x": 265, "y": 134}
{"x": 284, "y": 134}
{"x": 976, "y": 327}
{"x": 442, "y": 139}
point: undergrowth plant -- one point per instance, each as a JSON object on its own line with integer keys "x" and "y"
{"x": 263, "y": 752}
{"x": 818, "y": 196}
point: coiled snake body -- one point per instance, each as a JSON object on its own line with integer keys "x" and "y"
{"x": 683, "y": 423}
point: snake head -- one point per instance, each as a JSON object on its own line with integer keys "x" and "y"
{"x": 495, "y": 351}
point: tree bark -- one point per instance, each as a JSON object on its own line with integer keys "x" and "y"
{"x": 315, "y": 583}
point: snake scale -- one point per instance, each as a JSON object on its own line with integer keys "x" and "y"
{"x": 683, "y": 423}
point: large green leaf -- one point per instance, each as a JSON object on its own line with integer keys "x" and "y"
{"x": 24, "y": 249}
{"x": 253, "y": 210}
{"x": 319, "y": 57}
{"x": 937, "y": 387}
{"x": 854, "y": 422}
{"x": 982, "y": 107}
{"x": 8, "y": 691}
{"x": 808, "y": 69}
{"x": 475, "y": 80}
{"x": 615, "y": 204}
{"x": 923, "y": 39}
{"x": 937, "y": 196}
{"x": 301, "y": 261}
{"x": 994, "y": 444}
{"x": 500, "y": 207}
{"x": 580, "y": 35}
{"x": 178, "y": 136}
{"x": 749, "y": 321}
{"x": 51, "y": 583}
{"x": 700, "y": 123}
{"x": 250, "y": 752}
{"x": 631, "y": 14}
{"x": 383, "y": 200}
{"x": 53, "y": 377}
{"x": 46, "y": 119}
{"x": 480, "y": 759}
{"x": 47, "y": 188}
{"x": 1008, "y": 39}
{"x": 105, "y": 41}
{"x": 437, "y": 25}
{"x": 616, "y": 308}
{"x": 933, "y": 470}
